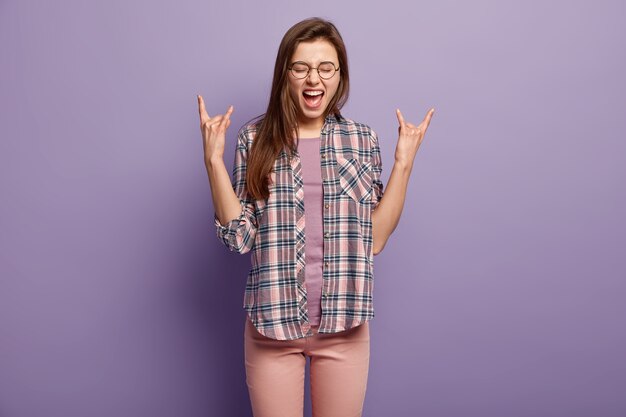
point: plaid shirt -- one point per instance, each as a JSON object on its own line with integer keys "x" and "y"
{"x": 274, "y": 229}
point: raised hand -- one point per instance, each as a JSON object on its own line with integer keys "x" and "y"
{"x": 410, "y": 138}
{"x": 213, "y": 132}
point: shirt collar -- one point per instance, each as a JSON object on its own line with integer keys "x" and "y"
{"x": 333, "y": 118}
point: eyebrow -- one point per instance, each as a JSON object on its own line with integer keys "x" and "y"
{"x": 321, "y": 62}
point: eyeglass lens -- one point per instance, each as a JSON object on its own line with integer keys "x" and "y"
{"x": 325, "y": 70}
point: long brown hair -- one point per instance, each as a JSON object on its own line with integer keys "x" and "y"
{"x": 277, "y": 127}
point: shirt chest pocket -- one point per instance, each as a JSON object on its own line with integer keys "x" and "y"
{"x": 355, "y": 178}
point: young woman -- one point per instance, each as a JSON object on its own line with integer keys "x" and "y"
{"x": 307, "y": 200}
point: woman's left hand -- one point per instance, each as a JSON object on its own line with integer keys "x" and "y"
{"x": 410, "y": 138}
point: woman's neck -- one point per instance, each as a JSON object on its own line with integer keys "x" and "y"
{"x": 310, "y": 129}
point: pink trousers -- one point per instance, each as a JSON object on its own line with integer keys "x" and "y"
{"x": 339, "y": 366}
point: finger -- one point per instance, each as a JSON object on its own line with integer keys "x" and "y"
{"x": 214, "y": 120}
{"x": 430, "y": 116}
{"x": 400, "y": 118}
{"x": 227, "y": 116}
{"x": 427, "y": 118}
{"x": 201, "y": 107}
{"x": 204, "y": 116}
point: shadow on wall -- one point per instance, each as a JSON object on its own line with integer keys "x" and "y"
{"x": 215, "y": 292}
{"x": 217, "y": 279}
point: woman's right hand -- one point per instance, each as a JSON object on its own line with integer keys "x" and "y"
{"x": 213, "y": 132}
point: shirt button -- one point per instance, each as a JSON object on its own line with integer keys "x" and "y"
{"x": 323, "y": 155}
{"x": 326, "y": 205}
{"x": 325, "y": 263}
{"x": 326, "y": 234}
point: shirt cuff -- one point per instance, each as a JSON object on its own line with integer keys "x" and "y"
{"x": 223, "y": 229}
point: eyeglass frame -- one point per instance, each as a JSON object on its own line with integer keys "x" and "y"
{"x": 290, "y": 68}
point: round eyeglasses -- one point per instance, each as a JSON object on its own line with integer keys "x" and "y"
{"x": 326, "y": 70}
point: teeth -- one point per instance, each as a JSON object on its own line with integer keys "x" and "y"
{"x": 313, "y": 93}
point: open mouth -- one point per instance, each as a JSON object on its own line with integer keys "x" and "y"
{"x": 313, "y": 98}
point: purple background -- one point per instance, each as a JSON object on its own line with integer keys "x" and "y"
{"x": 501, "y": 293}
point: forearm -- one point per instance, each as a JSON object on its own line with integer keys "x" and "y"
{"x": 226, "y": 203}
{"x": 387, "y": 214}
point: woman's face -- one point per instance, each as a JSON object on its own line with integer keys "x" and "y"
{"x": 313, "y": 93}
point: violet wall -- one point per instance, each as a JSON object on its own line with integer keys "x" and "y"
{"x": 501, "y": 293}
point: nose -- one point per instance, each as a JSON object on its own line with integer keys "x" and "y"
{"x": 313, "y": 77}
